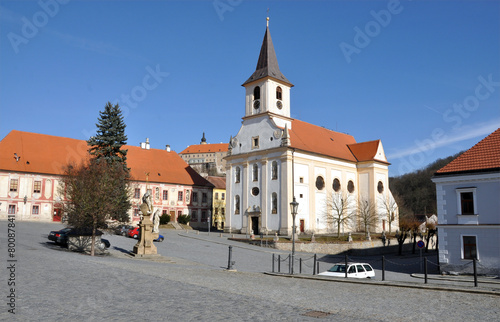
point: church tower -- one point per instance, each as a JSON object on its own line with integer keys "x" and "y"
{"x": 267, "y": 90}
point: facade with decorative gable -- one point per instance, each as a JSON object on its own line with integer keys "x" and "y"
{"x": 468, "y": 206}
{"x": 274, "y": 158}
{"x": 31, "y": 166}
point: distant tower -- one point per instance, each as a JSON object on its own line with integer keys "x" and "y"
{"x": 203, "y": 140}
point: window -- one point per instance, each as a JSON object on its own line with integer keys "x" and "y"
{"x": 194, "y": 216}
{"x": 237, "y": 174}
{"x": 320, "y": 183}
{"x": 256, "y": 93}
{"x": 36, "y": 210}
{"x": 255, "y": 172}
{"x": 350, "y": 186}
{"x": 216, "y": 196}
{"x": 223, "y": 212}
{"x": 195, "y": 196}
{"x": 137, "y": 193}
{"x": 237, "y": 204}
{"x": 14, "y": 184}
{"x": 222, "y": 196}
{"x": 165, "y": 194}
{"x": 255, "y": 142}
{"x": 336, "y": 185}
{"x": 274, "y": 202}
{"x": 380, "y": 187}
{"x": 255, "y": 191}
{"x": 467, "y": 203}
{"x": 37, "y": 187}
{"x": 179, "y": 213}
{"x": 301, "y": 179}
{"x": 204, "y": 197}
{"x": 179, "y": 196}
{"x": 12, "y": 209}
{"x": 274, "y": 170}
{"x": 469, "y": 247}
{"x": 279, "y": 93}
{"x": 136, "y": 212}
{"x": 204, "y": 216}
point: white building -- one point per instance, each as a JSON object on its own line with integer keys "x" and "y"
{"x": 275, "y": 158}
{"x": 468, "y": 205}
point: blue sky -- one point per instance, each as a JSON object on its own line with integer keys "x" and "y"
{"x": 422, "y": 76}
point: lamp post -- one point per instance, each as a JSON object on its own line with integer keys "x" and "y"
{"x": 294, "y": 205}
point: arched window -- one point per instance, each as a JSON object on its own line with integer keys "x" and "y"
{"x": 336, "y": 185}
{"x": 256, "y": 93}
{"x": 320, "y": 183}
{"x": 274, "y": 199}
{"x": 350, "y": 186}
{"x": 274, "y": 170}
{"x": 237, "y": 173}
{"x": 255, "y": 172}
{"x": 279, "y": 93}
{"x": 380, "y": 187}
{"x": 237, "y": 204}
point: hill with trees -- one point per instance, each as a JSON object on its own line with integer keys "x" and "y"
{"x": 414, "y": 192}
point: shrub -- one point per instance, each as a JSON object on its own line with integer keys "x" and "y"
{"x": 164, "y": 219}
{"x": 184, "y": 219}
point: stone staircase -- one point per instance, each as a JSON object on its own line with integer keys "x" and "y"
{"x": 176, "y": 226}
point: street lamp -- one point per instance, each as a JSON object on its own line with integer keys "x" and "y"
{"x": 294, "y": 206}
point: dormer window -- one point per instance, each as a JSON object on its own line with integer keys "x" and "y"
{"x": 279, "y": 93}
{"x": 256, "y": 93}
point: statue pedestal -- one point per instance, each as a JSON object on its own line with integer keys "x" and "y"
{"x": 145, "y": 246}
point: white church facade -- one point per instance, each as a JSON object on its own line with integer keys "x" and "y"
{"x": 274, "y": 158}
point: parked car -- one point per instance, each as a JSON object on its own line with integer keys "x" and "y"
{"x": 123, "y": 229}
{"x": 134, "y": 232}
{"x": 59, "y": 236}
{"x": 354, "y": 270}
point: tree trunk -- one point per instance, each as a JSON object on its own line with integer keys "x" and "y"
{"x": 414, "y": 243}
{"x": 92, "y": 246}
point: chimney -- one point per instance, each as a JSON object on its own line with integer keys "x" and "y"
{"x": 167, "y": 148}
{"x": 145, "y": 145}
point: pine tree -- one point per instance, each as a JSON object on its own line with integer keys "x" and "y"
{"x": 108, "y": 142}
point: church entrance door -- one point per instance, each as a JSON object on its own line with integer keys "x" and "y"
{"x": 255, "y": 225}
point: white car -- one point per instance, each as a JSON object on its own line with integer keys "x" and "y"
{"x": 355, "y": 270}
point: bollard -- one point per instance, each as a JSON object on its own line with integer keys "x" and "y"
{"x": 230, "y": 263}
{"x": 383, "y": 268}
{"x": 345, "y": 265}
{"x": 279, "y": 263}
{"x": 317, "y": 268}
{"x": 300, "y": 265}
{"x": 289, "y": 264}
{"x": 314, "y": 265}
{"x": 475, "y": 271}
{"x": 273, "y": 262}
{"x": 425, "y": 270}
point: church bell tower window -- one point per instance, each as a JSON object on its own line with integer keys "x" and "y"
{"x": 279, "y": 93}
{"x": 256, "y": 93}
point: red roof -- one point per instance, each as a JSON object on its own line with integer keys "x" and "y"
{"x": 218, "y": 182}
{"x": 312, "y": 138}
{"x": 206, "y": 148}
{"x": 483, "y": 156}
{"x": 40, "y": 153}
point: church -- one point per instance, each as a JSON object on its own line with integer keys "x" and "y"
{"x": 275, "y": 159}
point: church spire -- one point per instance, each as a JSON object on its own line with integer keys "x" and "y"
{"x": 267, "y": 65}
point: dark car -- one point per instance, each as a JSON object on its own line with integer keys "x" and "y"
{"x": 123, "y": 229}
{"x": 59, "y": 236}
{"x": 105, "y": 243}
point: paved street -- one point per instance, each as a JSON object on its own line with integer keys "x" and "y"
{"x": 190, "y": 283}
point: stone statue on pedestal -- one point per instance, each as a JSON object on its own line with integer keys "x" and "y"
{"x": 145, "y": 246}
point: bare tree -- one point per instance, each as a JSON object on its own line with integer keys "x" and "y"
{"x": 388, "y": 208}
{"x": 403, "y": 232}
{"x": 340, "y": 210}
{"x": 94, "y": 193}
{"x": 367, "y": 215}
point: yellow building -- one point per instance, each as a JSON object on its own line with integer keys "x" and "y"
{"x": 218, "y": 202}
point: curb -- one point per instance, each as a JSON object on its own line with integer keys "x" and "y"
{"x": 390, "y": 284}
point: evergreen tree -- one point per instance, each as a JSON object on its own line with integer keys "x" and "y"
{"x": 110, "y": 138}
